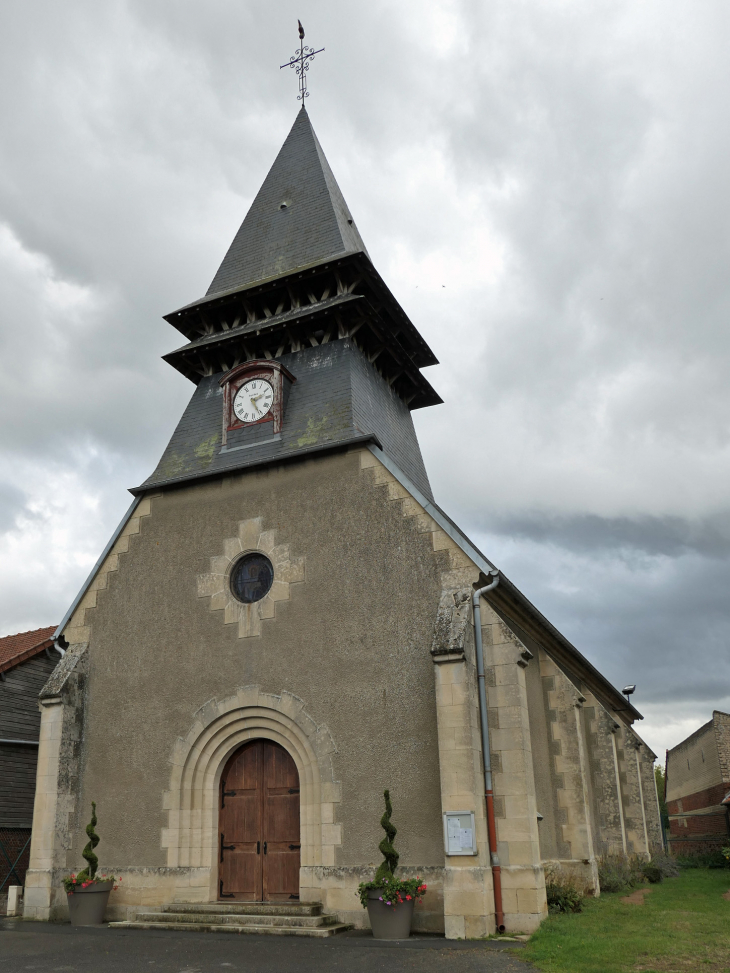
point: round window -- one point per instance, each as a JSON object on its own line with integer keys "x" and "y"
{"x": 251, "y": 578}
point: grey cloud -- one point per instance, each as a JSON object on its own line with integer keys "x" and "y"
{"x": 12, "y": 503}
{"x": 668, "y": 536}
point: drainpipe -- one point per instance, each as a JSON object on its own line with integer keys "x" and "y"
{"x": 486, "y": 753}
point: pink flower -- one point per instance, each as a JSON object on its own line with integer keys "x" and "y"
{"x": 408, "y": 898}
{"x": 387, "y": 903}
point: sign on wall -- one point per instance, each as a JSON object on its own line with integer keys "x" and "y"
{"x": 459, "y": 835}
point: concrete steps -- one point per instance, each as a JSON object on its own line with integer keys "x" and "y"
{"x": 252, "y": 918}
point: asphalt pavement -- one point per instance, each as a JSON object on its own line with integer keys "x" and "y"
{"x": 60, "y": 948}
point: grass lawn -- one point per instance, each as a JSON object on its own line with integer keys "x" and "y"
{"x": 683, "y": 925}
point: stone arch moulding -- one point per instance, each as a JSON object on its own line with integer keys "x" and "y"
{"x": 219, "y": 728}
{"x": 216, "y": 584}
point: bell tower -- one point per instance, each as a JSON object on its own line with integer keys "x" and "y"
{"x": 298, "y": 346}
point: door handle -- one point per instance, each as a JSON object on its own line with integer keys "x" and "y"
{"x": 258, "y": 847}
{"x": 264, "y": 847}
{"x": 294, "y": 847}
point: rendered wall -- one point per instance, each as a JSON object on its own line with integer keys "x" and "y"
{"x": 351, "y": 641}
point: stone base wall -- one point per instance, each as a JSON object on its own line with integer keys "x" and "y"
{"x": 149, "y": 889}
{"x": 470, "y": 894}
{"x": 523, "y": 897}
{"x": 336, "y": 888}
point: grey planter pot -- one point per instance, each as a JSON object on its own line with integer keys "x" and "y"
{"x": 387, "y": 921}
{"x": 87, "y": 906}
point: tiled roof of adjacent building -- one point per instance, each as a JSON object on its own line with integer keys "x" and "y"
{"x": 15, "y": 649}
{"x": 299, "y": 217}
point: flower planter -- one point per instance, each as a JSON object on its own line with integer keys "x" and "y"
{"x": 387, "y": 921}
{"x": 87, "y": 906}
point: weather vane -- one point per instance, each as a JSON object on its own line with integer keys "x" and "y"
{"x": 300, "y": 61}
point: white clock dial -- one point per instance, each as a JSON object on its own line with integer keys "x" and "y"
{"x": 253, "y": 400}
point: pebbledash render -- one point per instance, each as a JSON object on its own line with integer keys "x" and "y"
{"x": 284, "y": 580}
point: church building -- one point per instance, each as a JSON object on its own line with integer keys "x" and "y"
{"x": 286, "y": 623}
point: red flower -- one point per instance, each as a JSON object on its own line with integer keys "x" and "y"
{"x": 408, "y": 898}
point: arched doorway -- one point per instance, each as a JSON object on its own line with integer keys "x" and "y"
{"x": 258, "y": 825}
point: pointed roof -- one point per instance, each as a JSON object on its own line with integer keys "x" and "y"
{"x": 298, "y": 218}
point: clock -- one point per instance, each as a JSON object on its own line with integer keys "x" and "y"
{"x": 255, "y": 395}
{"x": 253, "y": 400}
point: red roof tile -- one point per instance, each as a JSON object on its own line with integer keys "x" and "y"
{"x": 17, "y": 648}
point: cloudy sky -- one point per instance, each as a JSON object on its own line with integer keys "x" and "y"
{"x": 544, "y": 185}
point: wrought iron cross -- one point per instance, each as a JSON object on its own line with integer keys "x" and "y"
{"x": 300, "y": 62}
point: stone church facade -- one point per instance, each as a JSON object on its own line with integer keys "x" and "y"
{"x": 282, "y": 627}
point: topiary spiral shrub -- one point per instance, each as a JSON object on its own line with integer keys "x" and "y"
{"x": 92, "y": 862}
{"x": 393, "y": 891}
{"x": 390, "y": 855}
{"x": 72, "y": 883}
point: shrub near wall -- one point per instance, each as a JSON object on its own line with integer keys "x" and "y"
{"x": 618, "y": 873}
{"x": 563, "y": 890}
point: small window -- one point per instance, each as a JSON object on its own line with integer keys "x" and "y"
{"x": 251, "y": 578}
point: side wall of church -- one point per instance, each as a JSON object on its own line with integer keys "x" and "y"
{"x": 556, "y": 726}
{"x": 594, "y": 777}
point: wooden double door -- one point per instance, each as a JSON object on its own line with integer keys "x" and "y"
{"x": 259, "y": 845}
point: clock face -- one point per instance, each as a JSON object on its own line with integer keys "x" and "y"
{"x": 253, "y": 400}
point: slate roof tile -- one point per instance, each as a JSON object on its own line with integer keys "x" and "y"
{"x": 299, "y": 217}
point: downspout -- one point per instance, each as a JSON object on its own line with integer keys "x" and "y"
{"x": 486, "y": 754}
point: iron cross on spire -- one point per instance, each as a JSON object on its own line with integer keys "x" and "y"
{"x": 300, "y": 61}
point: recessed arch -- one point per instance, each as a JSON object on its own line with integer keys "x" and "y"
{"x": 221, "y": 727}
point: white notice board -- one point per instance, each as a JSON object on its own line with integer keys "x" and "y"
{"x": 459, "y": 836}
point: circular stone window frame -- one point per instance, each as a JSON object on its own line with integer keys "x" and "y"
{"x": 215, "y": 584}
{"x": 232, "y": 567}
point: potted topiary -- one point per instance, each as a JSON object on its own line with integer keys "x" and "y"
{"x": 88, "y": 893}
{"x": 390, "y": 900}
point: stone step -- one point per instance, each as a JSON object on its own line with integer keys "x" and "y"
{"x": 318, "y": 932}
{"x": 236, "y": 919}
{"x": 246, "y": 908}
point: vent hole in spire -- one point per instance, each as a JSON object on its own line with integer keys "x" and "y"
{"x": 284, "y": 204}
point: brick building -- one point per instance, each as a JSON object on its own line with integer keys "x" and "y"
{"x": 697, "y": 787}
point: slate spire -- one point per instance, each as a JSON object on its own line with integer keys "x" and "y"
{"x": 298, "y": 218}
